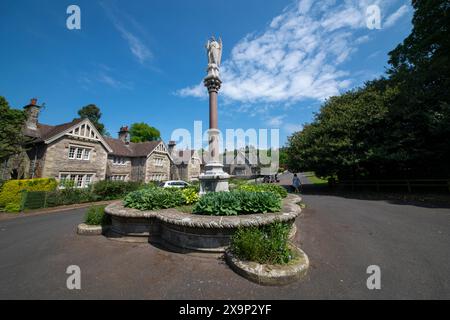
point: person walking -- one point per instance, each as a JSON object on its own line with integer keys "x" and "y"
{"x": 296, "y": 183}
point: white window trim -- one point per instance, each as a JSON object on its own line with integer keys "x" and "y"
{"x": 84, "y": 184}
{"x": 83, "y": 150}
{"x": 119, "y": 162}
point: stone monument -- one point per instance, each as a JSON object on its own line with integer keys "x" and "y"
{"x": 214, "y": 179}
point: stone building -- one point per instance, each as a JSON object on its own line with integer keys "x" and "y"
{"x": 240, "y": 163}
{"x": 186, "y": 163}
{"x": 144, "y": 161}
{"x": 77, "y": 151}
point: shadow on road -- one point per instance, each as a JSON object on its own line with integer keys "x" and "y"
{"x": 426, "y": 200}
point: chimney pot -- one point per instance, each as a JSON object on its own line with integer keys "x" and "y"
{"x": 33, "y": 101}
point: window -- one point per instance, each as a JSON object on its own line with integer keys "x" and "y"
{"x": 72, "y": 152}
{"x": 88, "y": 180}
{"x": 86, "y": 154}
{"x": 119, "y": 160}
{"x": 158, "y": 161}
{"x": 79, "y": 153}
{"x": 78, "y": 180}
{"x": 118, "y": 177}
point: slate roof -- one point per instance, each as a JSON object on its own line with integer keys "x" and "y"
{"x": 141, "y": 149}
{"x": 119, "y": 148}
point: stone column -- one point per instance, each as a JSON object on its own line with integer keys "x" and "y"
{"x": 214, "y": 179}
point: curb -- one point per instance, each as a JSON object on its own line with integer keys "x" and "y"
{"x": 87, "y": 230}
{"x": 270, "y": 275}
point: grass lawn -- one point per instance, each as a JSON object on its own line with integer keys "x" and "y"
{"x": 315, "y": 180}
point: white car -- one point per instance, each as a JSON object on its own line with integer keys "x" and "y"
{"x": 174, "y": 184}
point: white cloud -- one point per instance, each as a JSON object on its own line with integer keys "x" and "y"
{"x": 137, "y": 47}
{"x": 393, "y": 18}
{"x": 276, "y": 121}
{"x": 299, "y": 55}
{"x": 198, "y": 91}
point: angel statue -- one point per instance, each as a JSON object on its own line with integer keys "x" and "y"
{"x": 214, "y": 50}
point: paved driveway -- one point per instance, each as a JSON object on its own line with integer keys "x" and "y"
{"x": 342, "y": 237}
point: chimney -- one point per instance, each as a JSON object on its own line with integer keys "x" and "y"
{"x": 32, "y": 112}
{"x": 171, "y": 146}
{"x": 124, "y": 134}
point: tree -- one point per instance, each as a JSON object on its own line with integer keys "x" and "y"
{"x": 420, "y": 67}
{"x": 92, "y": 112}
{"x": 394, "y": 127}
{"x": 11, "y": 124}
{"x": 346, "y": 136}
{"x": 141, "y": 132}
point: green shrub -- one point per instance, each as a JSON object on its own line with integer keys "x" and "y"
{"x": 267, "y": 245}
{"x": 264, "y": 188}
{"x": 96, "y": 216}
{"x": 154, "y": 198}
{"x": 237, "y": 202}
{"x": 70, "y": 196}
{"x": 190, "y": 195}
{"x": 11, "y": 193}
{"x": 109, "y": 190}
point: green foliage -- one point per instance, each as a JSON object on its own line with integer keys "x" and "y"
{"x": 11, "y": 123}
{"x": 155, "y": 198}
{"x": 11, "y": 193}
{"x": 70, "y": 196}
{"x": 279, "y": 190}
{"x": 141, "y": 132}
{"x": 95, "y": 216}
{"x": 266, "y": 245}
{"x": 107, "y": 190}
{"x": 391, "y": 127}
{"x": 237, "y": 202}
{"x": 190, "y": 195}
{"x": 92, "y": 112}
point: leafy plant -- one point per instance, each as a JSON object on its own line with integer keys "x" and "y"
{"x": 264, "y": 188}
{"x": 96, "y": 216}
{"x": 190, "y": 195}
{"x": 237, "y": 202}
{"x": 267, "y": 245}
{"x": 11, "y": 193}
{"x": 155, "y": 198}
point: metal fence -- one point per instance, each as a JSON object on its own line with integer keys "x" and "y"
{"x": 34, "y": 200}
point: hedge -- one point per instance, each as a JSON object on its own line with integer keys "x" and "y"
{"x": 11, "y": 194}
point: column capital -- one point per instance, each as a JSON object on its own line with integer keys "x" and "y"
{"x": 213, "y": 84}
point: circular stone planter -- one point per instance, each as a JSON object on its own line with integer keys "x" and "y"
{"x": 271, "y": 275}
{"x": 190, "y": 232}
{"x": 87, "y": 230}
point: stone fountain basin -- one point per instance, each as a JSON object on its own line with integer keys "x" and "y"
{"x": 186, "y": 232}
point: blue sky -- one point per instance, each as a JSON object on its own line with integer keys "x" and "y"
{"x": 144, "y": 60}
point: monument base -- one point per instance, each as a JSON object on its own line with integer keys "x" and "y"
{"x": 214, "y": 179}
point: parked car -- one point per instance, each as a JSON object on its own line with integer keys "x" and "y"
{"x": 174, "y": 184}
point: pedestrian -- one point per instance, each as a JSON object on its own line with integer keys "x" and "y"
{"x": 296, "y": 183}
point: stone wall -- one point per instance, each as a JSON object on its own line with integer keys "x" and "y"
{"x": 57, "y": 159}
{"x": 119, "y": 169}
{"x": 138, "y": 169}
{"x": 153, "y": 171}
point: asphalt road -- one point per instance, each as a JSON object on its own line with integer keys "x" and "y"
{"x": 342, "y": 237}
